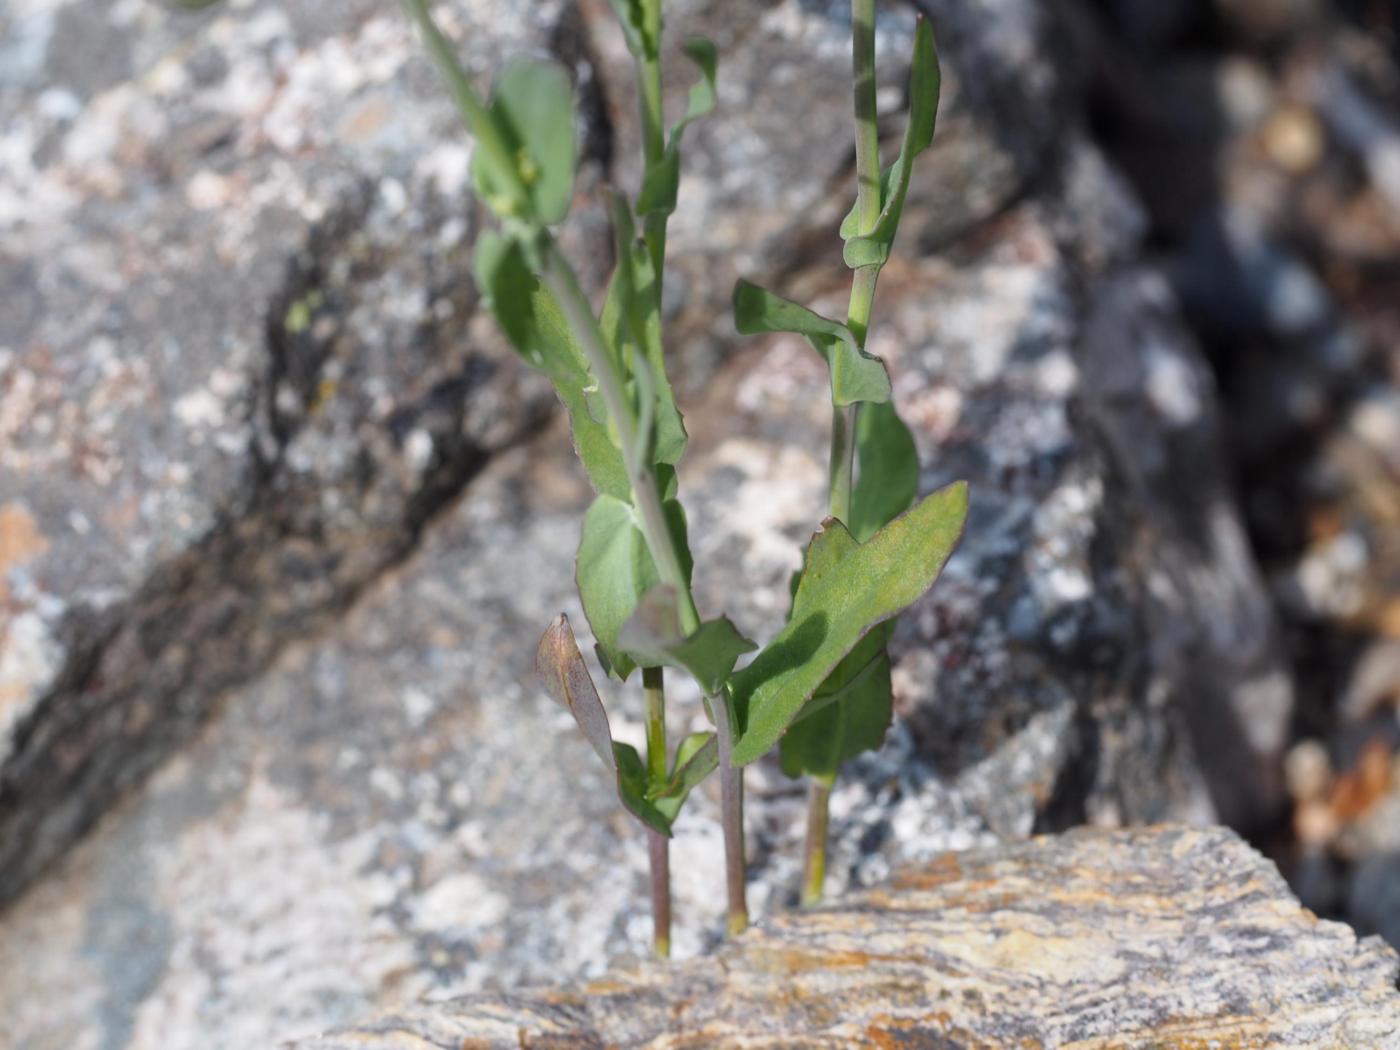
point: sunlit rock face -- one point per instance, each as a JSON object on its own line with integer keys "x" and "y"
{"x": 1038, "y": 943}
{"x": 282, "y": 522}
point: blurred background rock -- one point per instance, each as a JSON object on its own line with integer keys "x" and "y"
{"x": 281, "y": 520}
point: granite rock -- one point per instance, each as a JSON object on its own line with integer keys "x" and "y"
{"x": 236, "y": 245}
{"x": 240, "y": 379}
{"x": 1041, "y": 944}
{"x": 387, "y": 807}
{"x": 395, "y": 810}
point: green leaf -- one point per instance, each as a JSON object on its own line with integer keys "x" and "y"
{"x": 696, "y": 758}
{"x": 702, "y": 96}
{"x": 758, "y": 310}
{"x": 855, "y": 375}
{"x": 850, "y": 711}
{"x": 847, "y": 588}
{"x": 495, "y": 171}
{"x": 652, "y": 636}
{"x": 850, "y": 225}
{"x": 661, "y": 183}
{"x": 614, "y": 570}
{"x": 641, "y": 25}
{"x": 632, "y": 318}
{"x": 849, "y": 722}
{"x": 533, "y": 322}
{"x": 533, "y": 106}
{"x": 888, "y": 476}
{"x": 872, "y": 247}
{"x": 661, "y": 186}
{"x": 677, "y": 526}
{"x": 560, "y": 666}
{"x": 865, "y": 651}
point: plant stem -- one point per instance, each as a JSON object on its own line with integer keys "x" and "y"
{"x": 654, "y": 683}
{"x": 653, "y": 147}
{"x": 502, "y": 161}
{"x": 654, "y": 678}
{"x": 844, "y": 417}
{"x": 868, "y": 204}
{"x": 731, "y": 794}
{"x": 563, "y": 283}
{"x": 862, "y": 302}
{"x": 659, "y": 858}
{"x": 843, "y": 454}
{"x": 867, "y": 134}
{"x": 814, "y": 869}
{"x": 646, "y": 496}
{"x": 841, "y": 473}
{"x": 649, "y": 85}
{"x": 658, "y": 845}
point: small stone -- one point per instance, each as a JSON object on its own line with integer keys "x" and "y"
{"x": 1294, "y": 139}
{"x": 1308, "y": 771}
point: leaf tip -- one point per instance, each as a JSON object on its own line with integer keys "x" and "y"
{"x": 552, "y": 650}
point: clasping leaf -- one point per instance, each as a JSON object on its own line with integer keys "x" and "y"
{"x": 652, "y": 636}
{"x": 661, "y": 185}
{"x": 696, "y": 758}
{"x": 560, "y": 666}
{"x": 872, "y": 247}
{"x": 632, "y": 317}
{"x": 534, "y": 323}
{"x": 851, "y": 709}
{"x": 835, "y": 727}
{"x": 847, "y": 588}
{"x": 615, "y": 569}
{"x": 533, "y": 110}
{"x": 855, "y": 375}
{"x": 887, "y": 479}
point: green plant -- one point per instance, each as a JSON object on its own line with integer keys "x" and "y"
{"x": 851, "y": 709}
{"x": 824, "y": 680}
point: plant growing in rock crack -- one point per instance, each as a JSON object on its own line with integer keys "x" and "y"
{"x": 821, "y": 686}
{"x": 873, "y": 474}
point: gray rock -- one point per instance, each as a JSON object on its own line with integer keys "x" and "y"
{"x": 1374, "y": 899}
{"x": 1156, "y": 937}
{"x": 241, "y": 378}
{"x": 390, "y": 808}
{"x": 231, "y": 392}
{"x": 396, "y": 810}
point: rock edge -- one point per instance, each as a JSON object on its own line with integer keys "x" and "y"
{"x": 1165, "y": 937}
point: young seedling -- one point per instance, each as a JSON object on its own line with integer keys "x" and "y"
{"x": 874, "y": 466}
{"x": 825, "y": 674}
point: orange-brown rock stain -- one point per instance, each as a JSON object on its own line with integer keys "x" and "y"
{"x": 933, "y": 1030}
{"x": 1215, "y": 1034}
{"x": 938, "y": 872}
{"x": 798, "y": 960}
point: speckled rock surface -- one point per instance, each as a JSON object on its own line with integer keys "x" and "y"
{"x": 234, "y": 245}
{"x": 390, "y": 808}
{"x": 1153, "y": 938}
{"x": 395, "y": 810}
{"x": 239, "y": 380}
